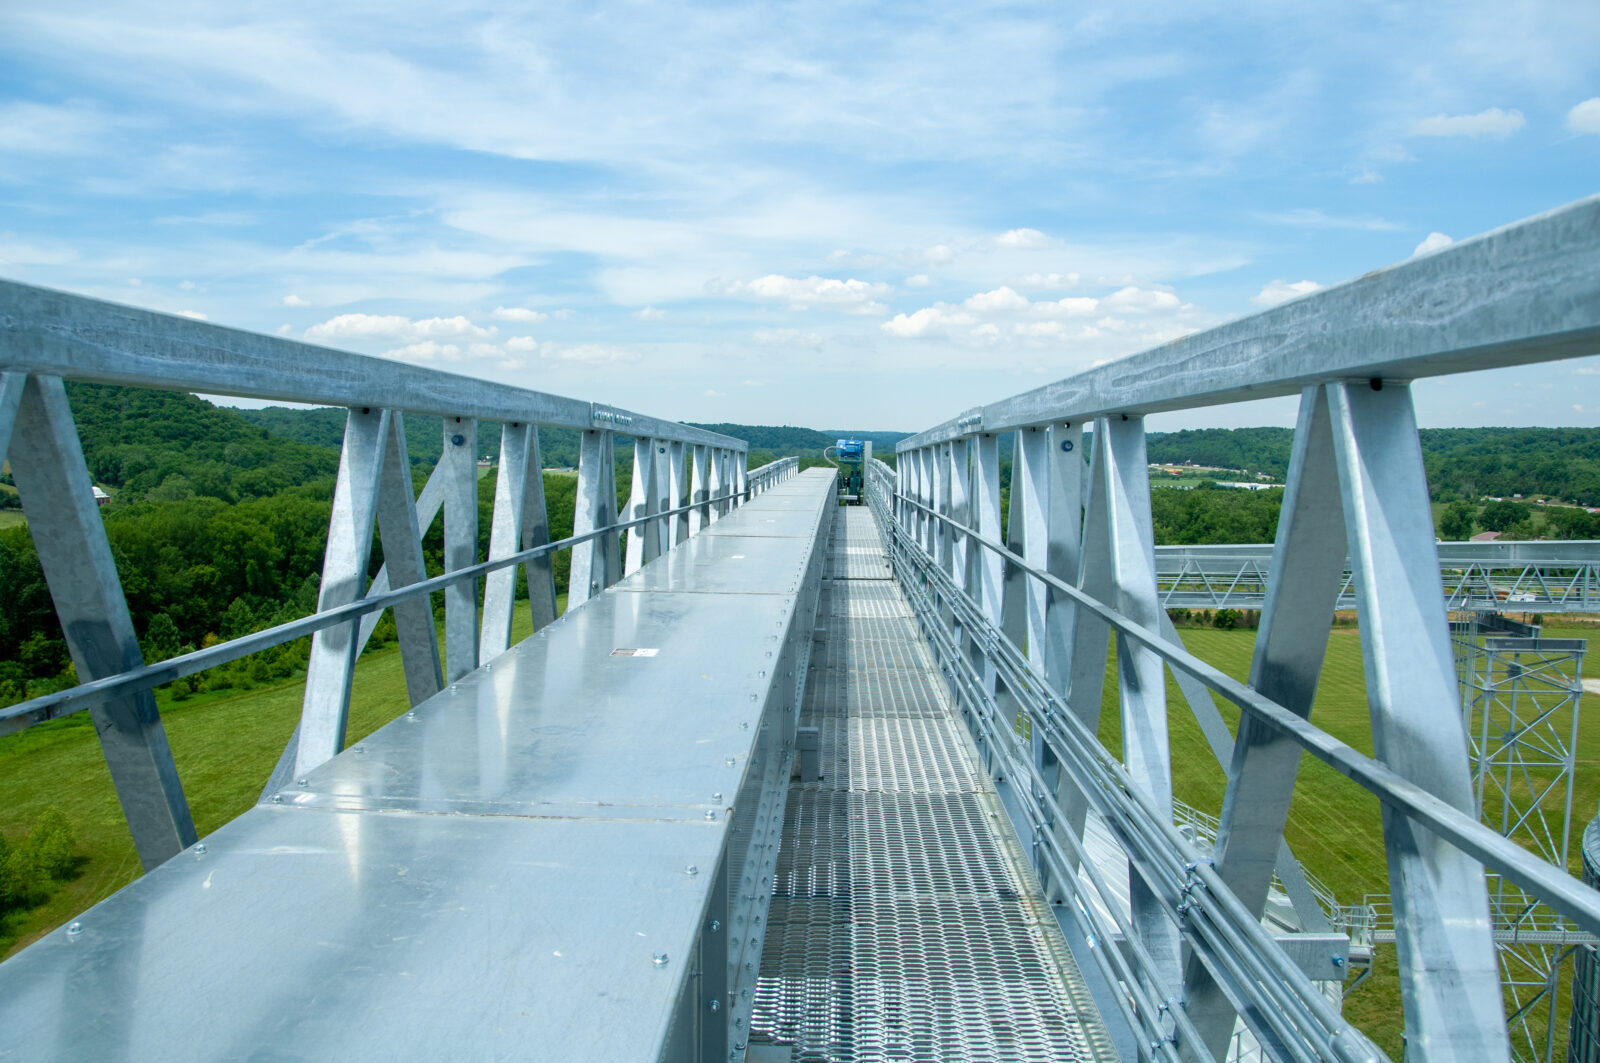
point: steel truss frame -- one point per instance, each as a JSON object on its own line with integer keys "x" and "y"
{"x": 1547, "y": 577}
{"x": 48, "y": 336}
{"x": 1356, "y": 489}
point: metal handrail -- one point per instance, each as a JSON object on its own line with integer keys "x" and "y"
{"x": 78, "y": 338}
{"x": 75, "y": 699}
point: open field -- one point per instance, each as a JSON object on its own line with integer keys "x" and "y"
{"x": 226, "y": 744}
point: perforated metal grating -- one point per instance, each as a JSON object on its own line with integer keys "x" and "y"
{"x": 903, "y": 924}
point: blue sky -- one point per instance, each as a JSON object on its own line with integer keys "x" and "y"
{"x": 823, "y": 214}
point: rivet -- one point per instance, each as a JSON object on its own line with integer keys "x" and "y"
{"x": 277, "y": 799}
{"x": 691, "y": 870}
{"x": 659, "y": 959}
{"x": 74, "y": 929}
{"x": 411, "y": 715}
{"x": 715, "y": 1005}
{"x": 200, "y": 847}
{"x": 745, "y": 726}
{"x": 361, "y": 749}
{"x": 730, "y": 762}
{"x": 716, "y": 925}
{"x": 711, "y": 813}
{"x": 299, "y": 782}
{"x": 716, "y": 796}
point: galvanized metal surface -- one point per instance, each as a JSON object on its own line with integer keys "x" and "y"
{"x": 904, "y": 925}
{"x": 525, "y": 866}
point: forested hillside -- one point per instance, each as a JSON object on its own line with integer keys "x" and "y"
{"x": 1463, "y": 463}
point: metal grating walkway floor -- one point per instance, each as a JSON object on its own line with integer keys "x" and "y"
{"x": 904, "y": 924}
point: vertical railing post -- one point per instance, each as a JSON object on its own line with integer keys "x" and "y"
{"x": 344, "y": 579}
{"x": 520, "y": 523}
{"x": 988, "y": 564}
{"x": 594, "y": 507}
{"x": 699, "y": 478}
{"x": 678, "y": 494}
{"x": 403, "y": 565}
{"x": 1307, "y": 570}
{"x": 459, "y": 462}
{"x": 64, "y": 520}
{"x": 640, "y": 496}
{"x": 1448, "y": 970}
{"x": 1141, "y": 675}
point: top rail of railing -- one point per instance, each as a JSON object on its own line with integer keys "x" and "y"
{"x": 78, "y": 338}
{"x": 1529, "y": 292}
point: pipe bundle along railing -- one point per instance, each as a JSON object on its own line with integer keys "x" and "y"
{"x": 1022, "y": 624}
{"x": 684, "y": 479}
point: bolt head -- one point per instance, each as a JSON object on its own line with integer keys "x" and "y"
{"x": 200, "y": 847}
{"x": 716, "y": 797}
{"x": 715, "y": 1005}
{"x": 299, "y": 782}
{"x": 74, "y": 929}
{"x": 277, "y": 799}
{"x": 711, "y": 813}
{"x": 659, "y": 959}
{"x": 691, "y": 870}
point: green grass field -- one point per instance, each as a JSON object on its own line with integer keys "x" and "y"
{"x": 226, "y": 745}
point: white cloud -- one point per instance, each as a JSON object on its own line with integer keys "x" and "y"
{"x": 1141, "y": 300}
{"x": 197, "y": 315}
{"x": 938, "y": 254}
{"x": 1367, "y": 176}
{"x": 1585, "y": 117}
{"x": 989, "y": 317}
{"x": 285, "y": 328}
{"x": 294, "y": 300}
{"x": 43, "y": 129}
{"x": 855, "y": 260}
{"x": 1023, "y": 238}
{"x": 786, "y": 337}
{"x": 649, "y": 313}
{"x": 517, "y": 313}
{"x": 589, "y": 353}
{"x": 918, "y": 280}
{"x": 522, "y": 343}
{"x": 1050, "y": 281}
{"x": 802, "y": 293}
{"x": 1432, "y": 242}
{"x": 1001, "y": 298}
{"x": 1319, "y": 220}
{"x": 1276, "y": 291}
{"x": 393, "y": 327}
{"x": 713, "y": 393}
{"x": 1493, "y": 122}
{"x": 928, "y": 318}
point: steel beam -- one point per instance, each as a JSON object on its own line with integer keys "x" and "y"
{"x": 52, "y": 478}
{"x": 1308, "y": 562}
{"x": 459, "y": 462}
{"x": 594, "y": 507}
{"x": 520, "y": 523}
{"x": 401, "y": 535}
{"x": 344, "y": 577}
{"x": 1141, "y": 675}
{"x": 1448, "y": 974}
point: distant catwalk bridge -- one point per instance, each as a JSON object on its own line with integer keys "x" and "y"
{"x": 790, "y": 781}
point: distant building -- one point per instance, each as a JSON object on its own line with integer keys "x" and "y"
{"x": 100, "y": 497}
{"x": 1485, "y": 537}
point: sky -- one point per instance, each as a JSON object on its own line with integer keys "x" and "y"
{"x": 867, "y": 216}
